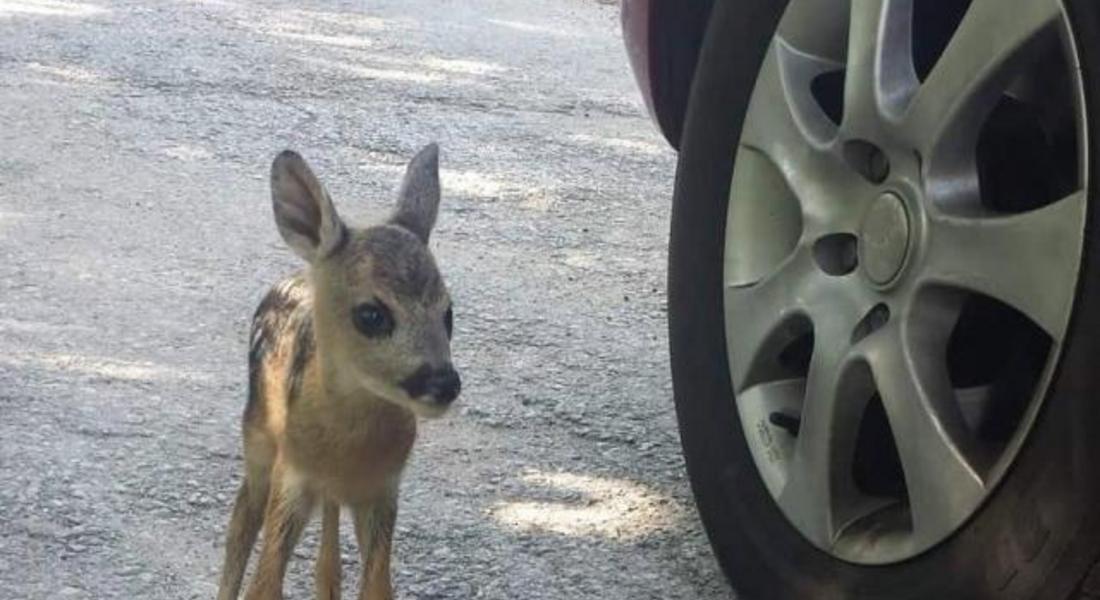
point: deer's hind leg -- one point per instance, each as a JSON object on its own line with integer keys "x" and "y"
{"x": 246, "y": 520}
{"x": 328, "y": 560}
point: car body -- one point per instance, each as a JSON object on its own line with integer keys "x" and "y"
{"x": 662, "y": 39}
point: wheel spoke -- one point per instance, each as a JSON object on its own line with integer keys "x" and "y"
{"x": 880, "y": 75}
{"x": 816, "y": 28}
{"x": 941, "y": 464}
{"x": 991, "y": 42}
{"x": 1027, "y": 260}
{"x": 772, "y": 446}
{"x": 818, "y": 490}
{"x": 783, "y": 113}
{"x": 764, "y": 318}
{"x": 786, "y": 124}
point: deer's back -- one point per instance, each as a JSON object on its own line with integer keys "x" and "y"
{"x": 281, "y": 346}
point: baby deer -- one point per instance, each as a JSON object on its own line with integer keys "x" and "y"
{"x": 343, "y": 357}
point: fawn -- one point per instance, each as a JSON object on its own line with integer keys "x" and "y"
{"x": 343, "y": 357}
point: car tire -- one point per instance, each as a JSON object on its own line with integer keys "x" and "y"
{"x": 1037, "y": 535}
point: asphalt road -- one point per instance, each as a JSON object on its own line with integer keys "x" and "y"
{"x": 136, "y": 238}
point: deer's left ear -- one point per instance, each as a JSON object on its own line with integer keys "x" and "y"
{"x": 304, "y": 212}
{"x": 418, "y": 200}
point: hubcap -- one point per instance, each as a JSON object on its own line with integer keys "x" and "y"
{"x": 903, "y": 240}
{"x": 884, "y": 238}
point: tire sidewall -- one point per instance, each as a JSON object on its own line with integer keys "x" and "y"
{"x": 1036, "y": 536}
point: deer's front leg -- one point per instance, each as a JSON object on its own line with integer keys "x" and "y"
{"x": 244, "y": 526}
{"x": 327, "y": 575}
{"x": 374, "y": 531}
{"x": 289, "y": 507}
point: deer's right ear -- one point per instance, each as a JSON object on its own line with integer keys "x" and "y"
{"x": 304, "y": 212}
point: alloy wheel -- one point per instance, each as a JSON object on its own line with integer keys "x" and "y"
{"x": 903, "y": 242}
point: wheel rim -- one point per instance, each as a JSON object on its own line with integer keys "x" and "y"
{"x": 899, "y": 269}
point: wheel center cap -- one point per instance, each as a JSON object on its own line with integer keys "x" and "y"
{"x": 884, "y": 238}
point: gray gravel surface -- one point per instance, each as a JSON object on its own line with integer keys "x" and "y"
{"x": 136, "y": 239}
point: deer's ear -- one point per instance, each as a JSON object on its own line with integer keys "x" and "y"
{"x": 304, "y": 212}
{"x": 418, "y": 199}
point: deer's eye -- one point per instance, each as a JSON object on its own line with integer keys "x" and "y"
{"x": 372, "y": 319}
{"x": 449, "y": 321}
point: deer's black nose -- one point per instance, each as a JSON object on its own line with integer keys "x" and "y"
{"x": 441, "y": 385}
{"x": 445, "y": 385}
